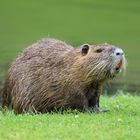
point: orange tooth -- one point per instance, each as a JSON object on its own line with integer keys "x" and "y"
{"x": 119, "y": 65}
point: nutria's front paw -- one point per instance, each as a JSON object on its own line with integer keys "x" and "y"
{"x": 98, "y": 110}
{"x": 104, "y": 110}
{"x": 87, "y": 110}
{"x": 91, "y": 110}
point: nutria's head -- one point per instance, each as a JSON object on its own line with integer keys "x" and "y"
{"x": 102, "y": 62}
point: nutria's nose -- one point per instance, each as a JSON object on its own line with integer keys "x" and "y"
{"x": 118, "y": 52}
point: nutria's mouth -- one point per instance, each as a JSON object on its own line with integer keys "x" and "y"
{"x": 119, "y": 66}
{"x": 111, "y": 73}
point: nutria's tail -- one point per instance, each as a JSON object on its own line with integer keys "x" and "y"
{"x": 0, "y": 95}
{"x": 6, "y": 98}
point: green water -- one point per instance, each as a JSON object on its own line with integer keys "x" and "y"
{"x": 74, "y": 21}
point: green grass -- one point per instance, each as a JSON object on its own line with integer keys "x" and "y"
{"x": 121, "y": 123}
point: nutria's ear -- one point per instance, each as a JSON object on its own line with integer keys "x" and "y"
{"x": 85, "y": 49}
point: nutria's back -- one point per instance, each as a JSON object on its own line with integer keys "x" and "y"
{"x": 52, "y": 74}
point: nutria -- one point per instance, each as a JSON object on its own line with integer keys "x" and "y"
{"x": 51, "y": 74}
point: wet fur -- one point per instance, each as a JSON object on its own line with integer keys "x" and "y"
{"x": 52, "y": 74}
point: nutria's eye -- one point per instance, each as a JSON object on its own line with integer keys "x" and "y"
{"x": 85, "y": 49}
{"x": 99, "y": 50}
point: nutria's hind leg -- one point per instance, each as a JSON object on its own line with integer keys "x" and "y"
{"x": 79, "y": 102}
{"x": 86, "y": 106}
{"x": 94, "y": 103}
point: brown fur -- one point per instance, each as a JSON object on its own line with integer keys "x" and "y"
{"x": 52, "y": 74}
